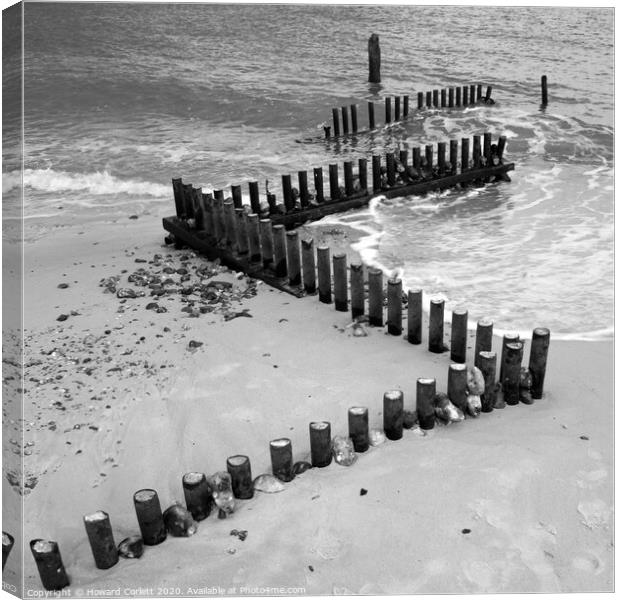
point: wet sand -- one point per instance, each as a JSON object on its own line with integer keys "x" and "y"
{"x": 117, "y": 399}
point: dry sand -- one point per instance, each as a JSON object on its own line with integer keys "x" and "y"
{"x": 518, "y": 500}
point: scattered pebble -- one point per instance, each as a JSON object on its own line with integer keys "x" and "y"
{"x": 363, "y": 491}
{"x": 465, "y": 531}
{"x": 63, "y": 286}
{"x": 584, "y": 437}
{"x": 62, "y": 317}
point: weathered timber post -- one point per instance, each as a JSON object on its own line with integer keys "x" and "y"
{"x": 345, "y": 120}
{"x": 340, "y": 282}
{"x": 334, "y": 191}
{"x": 393, "y": 412}
{"x": 405, "y": 106}
{"x": 464, "y": 154}
{"x": 287, "y": 192}
{"x": 395, "y": 306}
{"x": 441, "y": 157}
{"x": 435, "y": 327}
{"x": 318, "y": 185}
{"x": 279, "y": 251}
{"x": 479, "y": 92}
{"x": 348, "y": 178}
{"x": 425, "y": 396}
{"x": 376, "y": 173}
{"x": 416, "y": 157}
{"x": 198, "y": 495}
{"x": 454, "y": 155}
{"x": 443, "y": 97}
{"x": 388, "y": 110}
{"x": 397, "y": 108}
{"x": 320, "y": 443}
{"x": 293, "y": 260}
{"x": 472, "y": 94}
{"x": 354, "y": 118}
{"x": 391, "y": 168}
{"x": 242, "y": 231}
{"x": 358, "y": 428}
{"x": 476, "y": 152}
{"x": 254, "y": 197}
{"x": 436, "y": 98}
{"x": 484, "y": 339}
{"x": 420, "y": 100}
{"x": 324, "y": 274}
{"x": 501, "y": 146}
{"x": 240, "y": 471}
{"x": 49, "y": 564}
{"x": 486, "y": 149}
{"x": 266, "y": 237}
{"x": 374, "y": 59}
{"x": 541, "y": 337}
{"x": 371, "y": 115}
{"x": 236, "y": 196}
{"x": 357, "y": 290}
{"x": 362, "y": 173}
{"x": 488, "y": 94}
{"x": 308, "y": 265}
{"x": 403, "y": 156}
{"x": 450, "y": 97}
{"x": 458, "y": 338}
{"x": 101, "y": 539}
{"x": 230, "y": 223}
{"x": 512, "y": 371}
{"x": 457, "y": 385}
{"x": 465, "y": 95}
{"x": 508, "y": 338}
{"x": 336, "y": 122}
{"x": 457, "y": 100}
{"x": 375, "y": 297}
{"x": 177, "y": 190}
{"x": 150, "y": 518}
{"x": 281, "y": 452}
{"x": 304, "y": 197}
{"x": 414, "y": 316}
{"x": 543, "y": 88}
{"x": 429, "y": 99}
{"x": 487, "y": 363}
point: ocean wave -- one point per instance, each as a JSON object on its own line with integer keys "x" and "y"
{"x": 97, "y": 183}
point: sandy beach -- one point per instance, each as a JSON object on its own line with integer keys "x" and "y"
{"x": 117, "y": 399}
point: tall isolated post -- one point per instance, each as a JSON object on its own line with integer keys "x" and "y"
{"x": 374, "y": 59}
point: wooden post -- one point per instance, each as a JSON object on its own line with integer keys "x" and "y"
{"x": 254, "y": 197}
{"x": 49, "y": 564}
{"x": 318, "y": 185}
{"x": 501, "y": 146}
{"x": 488, "y": 94}
{"x": 458, "y": 341}
{"x": 287, "y": 192}
{"x": 464, "y": 155}
{"x": 101, "y": 539}
{"x": 236, "y": 196}
{"x": 479, "y": 92}
{"x": 487, "y": 363}
{"x": 272, "y": 202}
{"x": 420, "y": 100}
{"x": 486, "y": 148}
{"x": 199, "y": 213}
{"x": 393, "y": 409}
{"x": 436, "y": 98}
{"x": 395, "y": 306}
{"x": 281, "y": 451}
{"x": 207, "y": 202}
{"x": 7, "y": 545}
{"x": 375, "y": 297}
{"x": 405, "y": 106}
{"x": 345, "y": 120}
{"x": 340, "y": 282}
{"x": 472, "y": 94}
{"x": 253, "y": 232}
{"x": 441, "y": 157}
{"x": 304, "y": 197}
{"x": 376, "y": 173}
{"x": 293, "y": 260}
{"x": 150, "y": 518}
{"x": 279, "y": 251}
{"x": 388, "y": 110}
{"x": 358, "y": 428}
{"x": 429, "y": 156}
{"x": 451, "y": 98}
{"x": 512, "y": 371}
{"x": 220, "y": 214}
{"x": 539, "y": 349}
{"x": 198, "y": 495}
{"x": 403, "y": 157}
{"x": 177, "y": 190}
{"x": 457, "y": 100}
{"x": 357, "y": 290}
{"x": 435, "y": 327}
{"x": 336, "y": 122}
{"x": 348, "y": 178}
{"x": 457, "y": 385}
{"x": 240, "y": 471}
{"x": 484, "y": 339}
{"x": 429, "y": 99}
{"x": 242, "y": 231}
{"x": 334, "y": 191}
{"x": 374, "y": 59}
{"x": 362, "y": 173}
{"x": 371, "y": 115}
{"x": 324, "y": 274}
{"x": 354, "y": 118}
{"x": 308, "y": 265}
{"x": 543, "y": 87}
{"x": 266, "y": 237}
{"x": 416, "y": 157}
{"x": 320, "y": 443}
{"x": 414, "y": 316}
{"x": 508, "y": 338}
{"x": 230, "y": 223}
{"x": 397, "y": 108}
{"x": 443, "y": 97}
{"x": 391, "y": 168}
{"x": 425, "y": 402}
{"x": 188, "y": 200}
{"x": 465, "y": 95}
{"x": 454, "y": 155}
{"x": 328, "y": 131}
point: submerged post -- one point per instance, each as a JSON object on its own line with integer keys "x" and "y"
{"x": 388, "y": 110}
{"x": 336, "y": 122}
{"x": 354, "y": 118}
{"x": 371, "y": 115}
{"x": 420, "y": 100}
{"x": 345, "y": 120}
{"x": 543, "y": 87}
{"x": 374, "y": 59}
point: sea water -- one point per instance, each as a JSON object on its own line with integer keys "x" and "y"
{"x": 120, "y": 98}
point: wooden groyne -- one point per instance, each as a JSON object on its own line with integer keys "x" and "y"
{"x": 344, "y": 119}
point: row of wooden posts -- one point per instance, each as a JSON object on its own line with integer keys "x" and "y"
{"x": 440, "y": 98}
{"x": 212, "y": 211}
{"x": 198, "y": 493}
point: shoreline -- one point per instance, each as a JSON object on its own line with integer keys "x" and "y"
{"x": 264, "y": 377}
